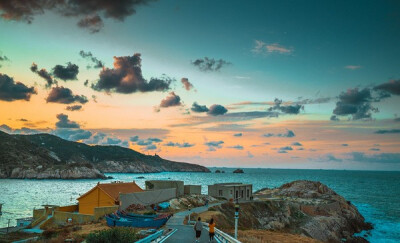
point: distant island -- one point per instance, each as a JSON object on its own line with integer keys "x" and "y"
{"x": 45, "y": 156}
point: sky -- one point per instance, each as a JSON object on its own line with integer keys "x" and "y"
{"x": 269, "y": 84}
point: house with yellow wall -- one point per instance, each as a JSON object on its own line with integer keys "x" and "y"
{"x": 105, "y": 195}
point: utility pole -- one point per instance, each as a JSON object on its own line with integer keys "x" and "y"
{"x": 236, "y": 218}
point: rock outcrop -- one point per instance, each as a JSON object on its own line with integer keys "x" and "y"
{"x": 238, "y": 171}
{"x": 301, "y": 207}
{"x": 44, "y": 156}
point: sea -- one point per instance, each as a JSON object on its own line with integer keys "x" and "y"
{"x": 376, "y": 194}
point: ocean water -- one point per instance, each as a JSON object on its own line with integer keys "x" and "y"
{"x": 376, "y": 194}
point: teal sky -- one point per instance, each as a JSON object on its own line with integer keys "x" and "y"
{"x": 291, "y": 50}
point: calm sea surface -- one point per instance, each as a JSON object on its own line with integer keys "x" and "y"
{"x": 376, "y": 194}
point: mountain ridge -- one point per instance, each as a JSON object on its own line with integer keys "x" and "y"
{"x": 46, "y": 156}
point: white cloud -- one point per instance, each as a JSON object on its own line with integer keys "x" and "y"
{"x": 353, "y": 67}
{"x": 261, "y": 47}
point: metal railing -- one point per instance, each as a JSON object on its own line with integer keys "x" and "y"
{"x": 151, "y": 237}
{"x": 220, "y": 236}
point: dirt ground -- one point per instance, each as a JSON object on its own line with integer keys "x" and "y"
{"x": 264, "y": 236}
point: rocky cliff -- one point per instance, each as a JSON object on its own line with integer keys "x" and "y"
{"x": 301, "y": 207}
{"x": 44, "y": 156}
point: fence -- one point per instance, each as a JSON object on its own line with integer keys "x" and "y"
{"x": 151, "y": 237}
{"x": 220, "y": 236}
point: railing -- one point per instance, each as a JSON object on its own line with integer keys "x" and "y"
{"x": 151, "y": 237}
{"x": 220, "y": 236}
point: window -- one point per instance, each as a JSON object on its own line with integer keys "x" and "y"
{"x": 237, "y": 194}
{"x": 242, "y": 194}
{"x": 231, "y": 192}
{"x": 248, "y": 193}
{"x": 220, "y": 193}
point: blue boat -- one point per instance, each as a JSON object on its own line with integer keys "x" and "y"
{"x": 137, "y": 222}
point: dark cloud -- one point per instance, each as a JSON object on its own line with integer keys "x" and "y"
{"x": 43, "y": 74}
{"x": 238, "y": 147}
{"x": 89, "y": 55}
{"x": 126, "y": 77}
{"x": 93, "y": 23}
{"x": 287, "y": 109}
{"x": 375, "y": 158}
{"x": 320, "y": 100}
{"x": 287, "y": 148}
{"x": 65, "y": 73}
{"x": 144, "y": 142}
{"x": 282, "y": 152}
{"x": 11, "y": 90}
{"x": 345, "y": 145}
{"x": 72, "y": 134}
{"x": 332, "y": 158}
{"x": 155, "y": 140}
{"x": 150, "y": 147}
{"x": 96, "y": 139}
{"x": 179, "y": 145}
{"x": 391, "y": 87}
{"x": 356, "y": 103}
{"x": 214, "y": 145}
{"x": 3, "y": 59}
{"x": 134, "y": 138}
{"x": 334, "y": 118}
{"x": 65, "y": 122}
{"x": 171, "y": 100}
{"x": 73, "y": 108}
{"x": 297, "y": 144}
{"x": 288, "y": 134}
{"x": 388, "y": 131}
{"x": 186, "y": 84}
{"x": 26, "y": 10}
{"x": 63, "y": 95}
{"x": 199, "y": 108}
{"x": 238, "y": 134}
{"x": 210, "y": 64}
{"x": 217, "y": 110}
{"x": 375, "y": 149}
{"x": 113, "y": 141}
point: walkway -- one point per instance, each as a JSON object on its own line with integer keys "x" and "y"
{"x": 186, "y": 233}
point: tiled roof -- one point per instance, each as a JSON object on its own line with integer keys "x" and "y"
{"x": 113, "y": 189}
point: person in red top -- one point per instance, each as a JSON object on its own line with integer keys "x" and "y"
{"x": 211, "y": 226}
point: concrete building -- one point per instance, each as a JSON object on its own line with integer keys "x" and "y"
{"x": 242, "y": 192}
{"x": 24, "y": 222}
{"x": 192, "y": 189}
{"x": 105, "y": 195}
{"x": 166, "y": 184}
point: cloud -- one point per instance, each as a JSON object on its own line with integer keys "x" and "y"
{"x": 72, "y": 134}
{"x": 155, "y": 140}
{"x": 179, "y": 145}
{"x": 375, "y": 158}
{"x": 374, "y": 149}
{"x": 261, "y": 47}
{"x": 238, "y": 147}
{"x": 93, "y": 23}
{"x": 134, "y": 139}
{"x": 332, "y": 158}
{"x": 11, "y": 90}
{"x": 345, "y": 145}
{"x": 199, "y": 108}
{"x": 282, "y": 152}
{"x": 171, "y": 100}
{"x": 217, "y": 110}
{"x": 288, "y": 134}
{"x": 63, "y": 95}
{"x": 126, "y": 77}
{"x": 334, "y": 118}
{"x": 43, "y": 74}
{"x": 150, "y": 147}
{"x": 387, "y": 131}
{"x": 25, "y": 11}
{"x": 297, "y": 144}
{"x": 113, "y": 141}
{"x": 64, "y": 122}
{"x": 73, "y": 108}
{"x": 89, "y": 55}
{"x": 392, "y": 87}
{"x": 186, "y": 84}
{"x": 353, "y": 67}
{"x": 210, "y": 64}
{"x": 65, "y": 73}
{"x": 289, "y": 109}
{"x": 356, "y": 103}
{"x": 287, "y": 148}
{"x": 96, "y": 139}
{"x": 3, "y": 59}
{"x": 214, "y": 145}
{"x": 249, "y": 154}
{"x": 237, "y": 134}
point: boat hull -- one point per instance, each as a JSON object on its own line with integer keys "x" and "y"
{"x": 136, "y": 222}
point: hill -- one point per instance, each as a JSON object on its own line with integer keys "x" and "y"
{"x": 45, "y": 156}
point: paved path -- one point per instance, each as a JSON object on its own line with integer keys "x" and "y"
{"x": 186, "y": 233}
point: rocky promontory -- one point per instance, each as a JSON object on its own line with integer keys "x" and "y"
{"x": 301, "y": 207}
{"x": 45, "y": 156}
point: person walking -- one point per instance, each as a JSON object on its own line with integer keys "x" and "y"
{"x": 198, "y": 227}
{"x": 211, "y": 226}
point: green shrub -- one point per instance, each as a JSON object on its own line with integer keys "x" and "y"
{"x": 117, "y": 234}
{"x": 149, "y": 213}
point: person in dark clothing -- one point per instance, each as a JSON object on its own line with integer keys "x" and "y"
{"x": 198, "y": 227}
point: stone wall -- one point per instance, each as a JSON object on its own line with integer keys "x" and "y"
{"x": 146, "y": 198}
{"x": 166, "y": 184}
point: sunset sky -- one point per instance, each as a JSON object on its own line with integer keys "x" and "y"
{"x": 274, "y": 84}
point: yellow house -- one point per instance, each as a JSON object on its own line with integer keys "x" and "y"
{"x": 104, "y": 195}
